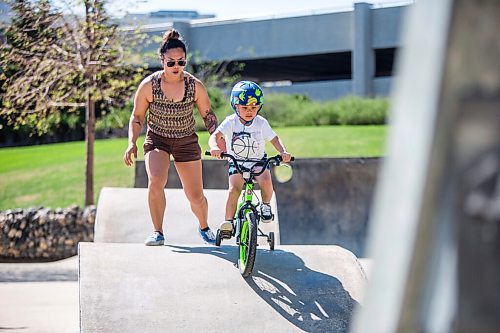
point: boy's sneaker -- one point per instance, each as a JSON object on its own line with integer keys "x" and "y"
{"x": 226, "y": 227}
{"x": 155, "y": 239}
{"x": 207, "y": 236}
{"x": 266, "y": 214}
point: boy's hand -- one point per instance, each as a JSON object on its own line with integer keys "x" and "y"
{"x": 216, "y": 153}
{"x": 222, "y": 144}
{"x": 286, "y": 156}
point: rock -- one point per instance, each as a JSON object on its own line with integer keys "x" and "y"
{"x": 12, "y": 233}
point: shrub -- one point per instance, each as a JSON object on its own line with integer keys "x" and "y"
{"x": 292, "y": 110}
{"x": 358, "y": 111}
{"x": 114, "y": 119}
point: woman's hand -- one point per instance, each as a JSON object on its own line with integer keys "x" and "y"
{"x": 131, "y": 150}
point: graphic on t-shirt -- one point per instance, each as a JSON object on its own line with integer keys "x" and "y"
{"x": 244, "y": 145}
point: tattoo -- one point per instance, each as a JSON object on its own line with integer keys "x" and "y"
{"x": 210, "y": 121}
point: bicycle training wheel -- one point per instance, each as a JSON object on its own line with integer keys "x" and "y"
{"x": 248, "y": 244}
{"x": 218, "y": 238}
{"x": 270, "y": 240}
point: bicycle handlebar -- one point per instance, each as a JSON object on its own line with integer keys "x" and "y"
{"x": 276, "y": 158}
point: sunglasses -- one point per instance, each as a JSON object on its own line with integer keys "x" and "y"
{"x": 171, "y": 63}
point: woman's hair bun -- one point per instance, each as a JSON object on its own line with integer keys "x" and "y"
{"x": 170, "y": 35}
{"x": 171, "y": 40}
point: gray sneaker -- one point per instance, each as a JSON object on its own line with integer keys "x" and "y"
{"x": 155, "y": 239}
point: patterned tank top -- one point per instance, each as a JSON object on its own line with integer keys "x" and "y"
{"x": 168, "y": 118}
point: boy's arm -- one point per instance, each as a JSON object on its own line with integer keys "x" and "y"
{"x": 280, "y": 147}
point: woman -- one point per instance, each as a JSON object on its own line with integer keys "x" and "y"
{"x": 169, "y": 95}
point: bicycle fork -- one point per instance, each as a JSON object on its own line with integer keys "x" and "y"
{"x": 244, "y": 207}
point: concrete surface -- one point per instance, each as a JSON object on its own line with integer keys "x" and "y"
{"x": 328, "y": 202}
{"x": 134, "y": 288}
{"x": 39, "y": 297}
{"x": 39, "y": 307}
{"x": 123, "y": 216}
{"x": 29, "y": 307}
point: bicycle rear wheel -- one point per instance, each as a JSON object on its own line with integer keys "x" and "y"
{"x": 248, "y": 244}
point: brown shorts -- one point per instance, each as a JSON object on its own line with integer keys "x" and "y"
{"x": 184, "y": 149}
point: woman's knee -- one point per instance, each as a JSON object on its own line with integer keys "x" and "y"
{"x": 156, "y": 184}
{"x": 196, "y": 198}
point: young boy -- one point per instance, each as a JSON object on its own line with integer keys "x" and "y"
{"x": 245, "y": 133}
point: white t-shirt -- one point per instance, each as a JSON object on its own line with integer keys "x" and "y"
{"x": 245, "y": 142}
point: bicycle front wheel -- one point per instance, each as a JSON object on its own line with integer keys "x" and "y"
{"x": 248, "y": 244}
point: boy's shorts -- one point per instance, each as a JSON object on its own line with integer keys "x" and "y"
{"x": 184, "y": 149}
{"x": 231, "y": 169}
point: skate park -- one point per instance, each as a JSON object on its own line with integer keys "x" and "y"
{"x": 289, "y": 287}
{"x": 434, "y": 257}
{"x": 432, "y": 235}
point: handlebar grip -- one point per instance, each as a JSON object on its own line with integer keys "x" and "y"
{"x": 281, "y": 158}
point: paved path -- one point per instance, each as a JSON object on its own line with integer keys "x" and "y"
{"x": 39, "y": 297}
{"x": 39, "y": 307}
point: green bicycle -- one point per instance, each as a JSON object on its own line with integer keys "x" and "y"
{"x": 246, "y": 228}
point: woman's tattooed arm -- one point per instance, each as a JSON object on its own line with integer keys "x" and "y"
{"x": 210, "y": 121}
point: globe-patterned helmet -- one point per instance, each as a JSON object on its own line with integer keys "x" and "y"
{"x": 246, "y": 93}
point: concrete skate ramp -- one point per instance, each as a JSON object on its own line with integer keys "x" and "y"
{"x": 192, "y": 288}
{"x": 123, "y": 216}
{"x": 327, "y": 202}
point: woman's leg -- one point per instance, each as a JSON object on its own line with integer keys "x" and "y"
{"x": 266, "y": 186}
{"x": 157, "y": 164}
{"x": 235, "y": 186}
{"x": 192, "y": 182}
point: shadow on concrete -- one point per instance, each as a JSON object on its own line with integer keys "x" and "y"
{"x": 60, "y": 270}
{"x": 310, "y": 300}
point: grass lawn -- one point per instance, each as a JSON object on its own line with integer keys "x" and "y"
{"x": 53, "y": 175}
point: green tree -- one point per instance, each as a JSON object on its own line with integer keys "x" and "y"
{"x": 52, "y": 65}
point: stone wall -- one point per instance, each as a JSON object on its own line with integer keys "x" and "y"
{"x": 42, "y": 234}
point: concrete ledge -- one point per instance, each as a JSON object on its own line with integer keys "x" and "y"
{"x": 134, "y": 288}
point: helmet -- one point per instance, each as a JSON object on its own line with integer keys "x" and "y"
{"x": 246, "y": 93}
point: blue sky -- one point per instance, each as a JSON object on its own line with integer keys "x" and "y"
{"x": 238, "y": 9}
